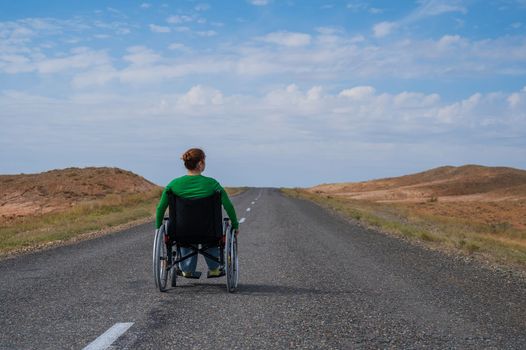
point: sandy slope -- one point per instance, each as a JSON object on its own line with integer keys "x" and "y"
{"x": 465, "y": 183}
{"x": 55, "y": 190}
{"x": 487, "y": 195}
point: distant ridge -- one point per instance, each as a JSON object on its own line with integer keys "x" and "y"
{"x": 54, "y": 190}
{"x": 468, "y": 182}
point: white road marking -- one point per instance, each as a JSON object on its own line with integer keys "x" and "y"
{"x": 248, "y": 209}
{"x": 253, "y": 203}
{"x": 108, "y": 337}
{"x": 259, "y": 195}
{"x": 242, "y": 220}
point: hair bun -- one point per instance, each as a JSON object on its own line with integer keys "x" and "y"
{"x": 192, "y": 157}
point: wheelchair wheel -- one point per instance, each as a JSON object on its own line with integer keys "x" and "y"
{"x": 231, "y": 262}
{"x": 160, "y": 260}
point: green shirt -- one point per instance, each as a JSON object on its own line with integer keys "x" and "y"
{"x": 195, "y": 186}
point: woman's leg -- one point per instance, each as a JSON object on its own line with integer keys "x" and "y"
{"x": 189, "y": 264}
{"x": 212, "y": 265}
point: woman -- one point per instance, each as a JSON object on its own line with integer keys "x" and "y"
{"x": 195, "y": 185}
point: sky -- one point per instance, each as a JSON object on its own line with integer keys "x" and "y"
{"x": 277, "y": 93}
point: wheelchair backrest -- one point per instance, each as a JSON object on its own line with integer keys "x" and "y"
{"x": 195, "y": 221}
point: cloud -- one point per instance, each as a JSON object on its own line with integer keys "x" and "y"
{"x": 356, "y": 6}
{"x": 288, "y": 123}
{"x": 383, "y": 29}
{"x": 290, "y": 39}
{"x": 140, "y": 55}
{"x": 358, "y": 93}
{"x": 146, "y": 5}
{"x": 429, "y": 8}
{"x": 159, "y": 29}
{"x": 179, "y": 46}
{"x": 202, "y": 7}
{"x": 426, "y": 8}
{"x": 200, "y": 96}
{"x": 517, "y": 100}
{"x": 259, "y": 2}
{"x": 325, "y": 58}
{"x": 329, "y": 30}
{"x": 179, "y": 19}
{"x": 80, "y": 58}
{"x": 206, "y": 33}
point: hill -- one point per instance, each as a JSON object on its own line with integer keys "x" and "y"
{"x": 448, "y": 183}
{"x": 57, "y": 190}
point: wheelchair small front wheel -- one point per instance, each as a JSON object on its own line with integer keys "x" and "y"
{"x": 160, "y": 260}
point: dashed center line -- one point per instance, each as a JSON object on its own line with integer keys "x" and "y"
{"x": 248, "y": 209}
{"x": 107, "y": 338}
{"x": 253, "y": 203}
{"x": 242, "y": 220}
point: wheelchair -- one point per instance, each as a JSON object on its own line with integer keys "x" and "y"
{"x": 197, "y": 224}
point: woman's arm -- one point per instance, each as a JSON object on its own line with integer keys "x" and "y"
{"x": 227, "y": 204}
{"x": 161, "y": 208}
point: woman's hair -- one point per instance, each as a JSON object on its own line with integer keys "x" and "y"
{"x": 192, "y": 157}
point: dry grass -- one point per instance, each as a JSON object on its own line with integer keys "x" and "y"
{"x": 24, "y": 233}
{"x": 499, "y": 241}
{"x": 85, "y": 217}
{"x": 234, "y": 191}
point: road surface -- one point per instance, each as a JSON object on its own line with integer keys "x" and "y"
{"x": 308, "y": 279}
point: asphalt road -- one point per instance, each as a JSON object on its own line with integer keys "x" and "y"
{"x": 308, "y": 280}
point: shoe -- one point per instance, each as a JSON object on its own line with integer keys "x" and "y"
{"x": 219, "y": 272}
{"x": 195, "y": 274}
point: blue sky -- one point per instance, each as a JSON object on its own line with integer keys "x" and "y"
{"x": 278, "y": 93}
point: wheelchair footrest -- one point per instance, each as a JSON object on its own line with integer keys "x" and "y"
{"x": 214, "y": 275}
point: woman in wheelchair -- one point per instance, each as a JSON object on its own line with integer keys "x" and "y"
{"x": 195, "y": 186}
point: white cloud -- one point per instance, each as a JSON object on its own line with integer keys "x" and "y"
{"x": 383, "y": 29}
{"x": 459, "y": 110}
{"x": 426, "y": 8}
{"x": 326, "y": 58}
{"x": 430, "y": 8}
{"x": 159, "y": 29}
{"x": 182, "y": 29}
{"x": 13, "y": 64}
{"x": 206, "y": 33}
{"x": 448, "y": 40}
{"x": 98, "y": 76}
{"x": 259, "y": 2}
{"x": 290, "y": 39}
{"x": 518, "y": 99}
{"x": 329, "y": 30}
{"x": 201, "y": 96}
{"x": 358, "y": 93}
{"x": 179, "y": 46}
{"x": 80, "y": 58}
{"x": 146, "y": 5}
{"x": 179, "y": 19}
{"x": 202, "y": 7}
{"x": 293, "y": 123}
{"x": 375, "y": 10}
{"x": 140, "y": 56}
